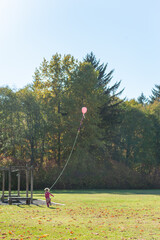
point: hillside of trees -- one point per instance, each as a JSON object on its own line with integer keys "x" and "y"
{"x": 119, "y": 142}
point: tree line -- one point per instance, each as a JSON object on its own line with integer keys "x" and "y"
{"x": 119, "y": 140}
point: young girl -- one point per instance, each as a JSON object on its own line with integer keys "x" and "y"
{"x": 47, "y": 196}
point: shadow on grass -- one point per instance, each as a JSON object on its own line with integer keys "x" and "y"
{"x": 37, "y": 205}
{"x": 51, "y": 207}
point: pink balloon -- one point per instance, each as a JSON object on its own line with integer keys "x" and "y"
{"x": 84, "y": 110}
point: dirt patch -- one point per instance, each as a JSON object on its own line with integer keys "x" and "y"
{"x": 35, "y": 202}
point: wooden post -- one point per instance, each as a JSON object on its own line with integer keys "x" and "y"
{"x": 31, "y": 184}
{"x": 19, "y": 178}
{"x": 27, "y": 181}
{"x": 9, "y": 179}
{"x": 3, "y": 186}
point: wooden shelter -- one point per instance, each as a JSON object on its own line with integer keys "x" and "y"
{"x": 19, "y": 169}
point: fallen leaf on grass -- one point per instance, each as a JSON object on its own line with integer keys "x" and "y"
{"x": 71, "y": 238}
{"x": 44, "y": 236}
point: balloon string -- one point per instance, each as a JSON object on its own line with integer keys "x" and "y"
{"x": 81, "y": 122}
{"x": 69, "y": 154}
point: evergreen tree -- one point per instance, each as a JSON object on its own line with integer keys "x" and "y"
{"x": 155, "y": 94}
{"x": 110, "y": 109}
{"x": 103, "y": 78}
{"x": 142, "y": 99}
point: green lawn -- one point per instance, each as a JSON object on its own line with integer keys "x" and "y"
{"x": 85, "y": 215}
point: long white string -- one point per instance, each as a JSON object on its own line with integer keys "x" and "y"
{"x": 67, "y": 159}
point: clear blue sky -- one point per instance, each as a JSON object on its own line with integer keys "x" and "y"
{"x": 123, "y": 33}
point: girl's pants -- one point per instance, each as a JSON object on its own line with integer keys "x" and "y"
{"x": 48, "y": 200}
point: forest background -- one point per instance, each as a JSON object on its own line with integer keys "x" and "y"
{"x": 119, "y": 141}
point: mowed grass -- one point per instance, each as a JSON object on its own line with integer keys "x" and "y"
{"x": 85, "y": 215}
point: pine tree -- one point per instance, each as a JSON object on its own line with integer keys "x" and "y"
{"x": 103, "y": 78}
{"x": 142, "y": 99}
{"x": 110, "y": 108}
{"x": 155, "y": 94}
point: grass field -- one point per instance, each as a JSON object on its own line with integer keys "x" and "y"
{"x": 85, "y": 215}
